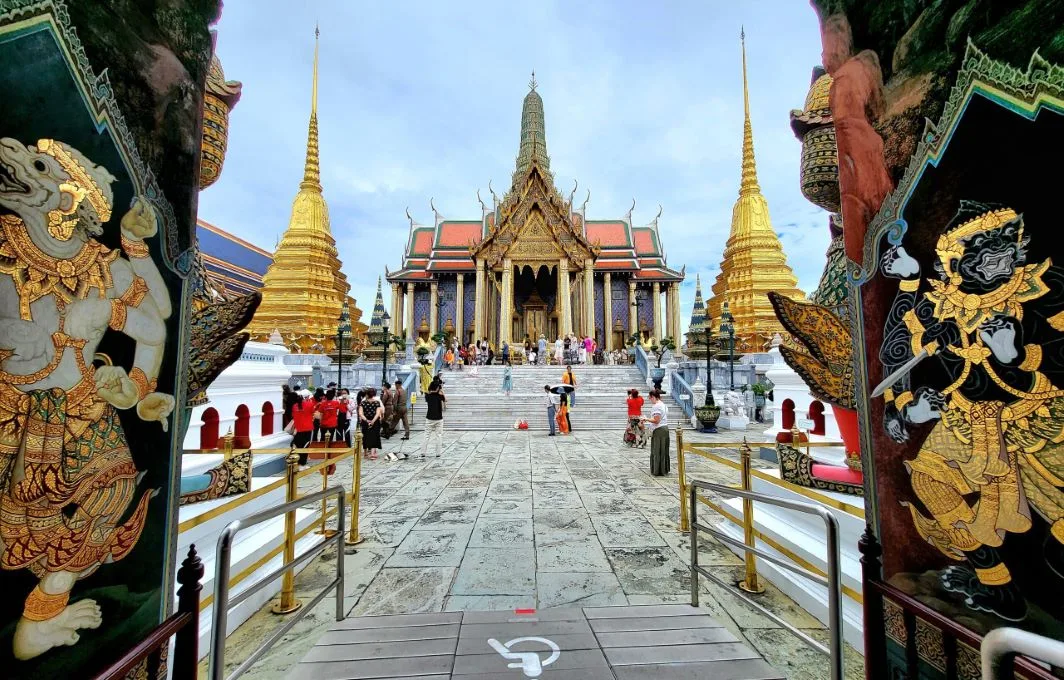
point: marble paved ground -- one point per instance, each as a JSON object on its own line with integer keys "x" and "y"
{"x": 508, "y": 520}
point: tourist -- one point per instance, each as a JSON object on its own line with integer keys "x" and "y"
{"x": 541, "y": 349}
{"x": 564, "y": 426}
{"x": 319, "y": 396}
{"x": 505, "y": 352}
{"x": 370, "y": 412}
{"x": 288, "y": 400}
{"x": 387, "y": 398}
{"x": 343, "y": 418}
{"x": 329, "y": 408}
{"x": 658, "y": 422}
{"x": 425, "y": 374}
{"x": 491, "y": 354}
{"x": 399, "y": 411}
{"x": 531, "y": 357}
{"x": 635, "y": 434}
{"x": 303, "y": 419}
{"x": 507, "y": 378}
{"x": 558, "y": 356}
{"x": 434, "y": 401}
{"x": 448, "y": 359}
{"x": 569, "y": 379}
{"x": 551, "y": 401}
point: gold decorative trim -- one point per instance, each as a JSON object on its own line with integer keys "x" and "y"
{"x": 81, "y": 178}
{"x": 909, "y": 285}
{"x": 1033, "y": 358}
{"x": 930, "y": 646}
{"x": 894, "y": 622}
{"x": 135, "y": 249}
{"x": 997, "y": 575}
{"x": 41, "y": 606}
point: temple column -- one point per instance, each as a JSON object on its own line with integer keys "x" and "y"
{"x": 397, "y": 304}
{"x": 408, "y": 317}
{"x": 480, "y": 302}
{"x": 607, "y": 312}
{"x": 589, "y": 297}
{"x": 674, "y": 288}
{"x": 633, "y": 313}
{"x": 434, "y": 310}
{"x": 459, "y": 309}
{"x": 505, "y": 313}
{"x": 566, "y": 319}
{"x": 668, "y": 310}
{"x": 655, "y": 299}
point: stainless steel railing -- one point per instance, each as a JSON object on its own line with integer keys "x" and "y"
{"x": 833, "y": 582}
{"x": 1000, "y": 645}
{"x": 223, "y": 603}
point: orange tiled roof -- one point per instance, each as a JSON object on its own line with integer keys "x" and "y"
{"x": 458, "y": 234}
{"x": 611, "y": 234}
{"x": 422, "y": 243}
{"x": 644, "y": 242}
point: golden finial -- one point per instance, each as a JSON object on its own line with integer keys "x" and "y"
{"x": 749, "y": 177}
{"x": 532, "y": 83}
{"x": 312, "y": 170}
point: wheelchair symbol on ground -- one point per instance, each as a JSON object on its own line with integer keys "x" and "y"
{"x": 529, "y": 662}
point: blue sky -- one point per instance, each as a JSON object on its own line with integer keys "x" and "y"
{"x": 421, "y": 100}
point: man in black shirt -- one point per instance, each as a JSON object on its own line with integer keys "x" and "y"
{"x": 435, "y": 400}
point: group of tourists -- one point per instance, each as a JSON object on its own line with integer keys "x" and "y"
{"x": 567, "y": 349}
{"x": 653, "y": 429}
{"x": 326, "y": 416}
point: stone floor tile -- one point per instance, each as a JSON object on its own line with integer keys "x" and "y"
{"x": 496, "y": 571}
{"x": 585, "y": 555}
{"x": 576, "y": 589}
{"x": 649, "y": 570}
{"x": 438, "y": 548}
{"x": 406, "y": 591}
{"x": 500, "y": 532}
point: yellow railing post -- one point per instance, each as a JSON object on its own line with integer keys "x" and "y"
{"x": 356, "y": 490}
{"x": 750, "y": 584}
{"x": 323, "y": 530}
{"x": 288, "y": 602}
{"x": 681, "y": 472}
{"x": 227, "y": 445}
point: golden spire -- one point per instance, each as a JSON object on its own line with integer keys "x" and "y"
{"x": 748, "y": 185}
{"x": 754, "y": 262}
{"x": 304, "y": 291}
{"x": 311, "y": 172}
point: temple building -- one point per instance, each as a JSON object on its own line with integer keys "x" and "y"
{"x": 304, "y": 290}
{"x": 754, "y": 262}
{"x": 534, "y": 265}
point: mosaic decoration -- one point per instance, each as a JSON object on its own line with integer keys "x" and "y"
{"x": 421, "y": 308}
{"x": 600, "y": 326}
{"x": 218, "y": 100}
{"x": 92, "y": 261}
{"x": 228, "y": 478}
{"x": 967, "y": 410}
{"x": 448, "y": 288}
{"x": 469, "y": 306}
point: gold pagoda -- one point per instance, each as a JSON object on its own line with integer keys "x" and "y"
{"x": 754, "y": 262}
{"x": 304, "y": 290}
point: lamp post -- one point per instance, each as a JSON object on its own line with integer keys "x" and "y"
{"x": 709, "y": 366}
{"x": 441, "y": 302}
{"x": 727, "y": 327}
{"x": 344, "y": 326}
{"x": 641, "y": 296}
{"x": 387, "y": 340}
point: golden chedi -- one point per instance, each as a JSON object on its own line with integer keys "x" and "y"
{"x": 754, "y": 262}
{"x": 304, "y": 290}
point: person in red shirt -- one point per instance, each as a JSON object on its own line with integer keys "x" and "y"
{"x": 635, "y": 434}
{"x": 330, "y": 411}
{"x": 303, "y": 417}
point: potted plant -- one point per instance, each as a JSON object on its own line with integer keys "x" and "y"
{"x": 657, "y": 374}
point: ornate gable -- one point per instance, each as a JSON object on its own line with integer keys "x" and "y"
{"x": 534, "y": 226}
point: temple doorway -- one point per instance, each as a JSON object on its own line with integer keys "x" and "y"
{"x": 535, "y": 295}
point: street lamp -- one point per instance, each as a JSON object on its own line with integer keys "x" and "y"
{"x": 386, "y": 340}
{"x": 344, "y": 326}
{"x": 441, "y": 302}
{"x": 727, "y": 327}
{"x": 709, "y": 366}
{"x": 641, "y": 297}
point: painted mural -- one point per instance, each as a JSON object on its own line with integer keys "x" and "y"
{"x": 963, "y": 274}
{"x": 91, "y": 304}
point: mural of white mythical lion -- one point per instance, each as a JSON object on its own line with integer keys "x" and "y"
{"x": 66, "y": 475}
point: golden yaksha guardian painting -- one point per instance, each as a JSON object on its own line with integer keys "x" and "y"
{"x": 70, "y": 499}
{"x": 986, "y": 327}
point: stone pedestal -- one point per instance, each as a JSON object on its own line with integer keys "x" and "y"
{"x": 698, "y": 398}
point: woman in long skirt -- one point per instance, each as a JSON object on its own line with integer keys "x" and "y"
{"x": 562, "y": 418}
{"x": 507, "y": 378}
{"x": 658, "y": 422}
{"x": 369, "y": 415}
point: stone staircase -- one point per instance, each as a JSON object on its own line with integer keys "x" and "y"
{"x": 478, "y": 402}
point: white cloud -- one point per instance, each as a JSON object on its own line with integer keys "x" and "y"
{"x": 422, "y": 100}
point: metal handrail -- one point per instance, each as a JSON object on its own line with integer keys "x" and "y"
{"x": 222, "y": 604}
{"x": 1000, "y": 645}
{"x": 833, "y": 581}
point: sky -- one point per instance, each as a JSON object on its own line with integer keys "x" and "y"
{"x": 422, "y": 100}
